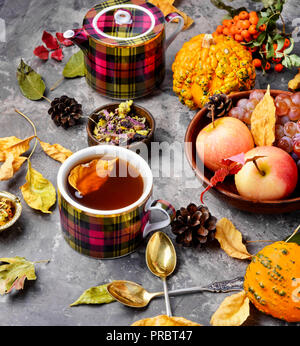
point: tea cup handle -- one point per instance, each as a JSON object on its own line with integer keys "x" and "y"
{"x": 166, "y": 208}
{"x": 169, "y": 18}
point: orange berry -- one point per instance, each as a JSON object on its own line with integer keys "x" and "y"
{"x": 275, "y": 45}
{"x": 245, "y": 24}
{"x": 278, "y": 67}
{"x": 246, "y": 34}
{"x": 226, "y": 31}
{"x": 253, "y": 18}
{"x": 255, "y": 36}
{"x": 267, "y": 66}
{"x": 238, "y": 37}
{"x": 253, "y": 49}
{"x": 252, "y": 29}
{"x": 243, "y": 15}
{"x": 286, "y": 43}
{"x": 236, "y": 18}
{"x": 256, "y": 62}
{"x": 239, "y": 24}
{"x": 225, "y": 22}
{"x": 219, "y": 29}
{"x": 233, "y": 30}
{"x": 262, "y": 27}
{"x": 276, "y": 60}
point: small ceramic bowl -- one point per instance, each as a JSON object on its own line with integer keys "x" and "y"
{"x": 142, "y": 112}
{"x": 18, "y": 208}
{"x": 227, "y": 190}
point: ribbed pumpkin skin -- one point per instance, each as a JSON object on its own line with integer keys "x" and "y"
{"x": 272, "y": 281}
{"x": 224, "y": 67}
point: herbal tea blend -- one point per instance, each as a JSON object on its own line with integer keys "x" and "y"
{"x": 121, "y": 126}
{"x": 115, "y": 191}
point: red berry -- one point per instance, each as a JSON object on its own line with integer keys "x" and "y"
{"x": 278, "y": 67}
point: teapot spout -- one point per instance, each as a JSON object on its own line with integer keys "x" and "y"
{"x": 79, "y": 37}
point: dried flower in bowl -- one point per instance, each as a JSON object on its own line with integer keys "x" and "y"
{"x": 122, "y": 125}
{"x": 10, "y": 209}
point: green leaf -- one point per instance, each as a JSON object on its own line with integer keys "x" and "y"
{"x": 280, "y": 43}
{"x": 262, "y": 21}
{"x": 291, "y": 61}
{"x": 269, "y": 48}
{"x": 290, "y": 48}
{"x": 75, "y": 66}
{"x": 31, "y": 83}
{"x": 260, "y": 39}
{"x": 95, "y": 295}
{"x": 13, "y": 274}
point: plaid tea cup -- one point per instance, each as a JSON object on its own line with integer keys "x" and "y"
{"x": 109, "y": 233}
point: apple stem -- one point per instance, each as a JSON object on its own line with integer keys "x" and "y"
{"x": 259, "y": 170}
{"x": 213, "y": 117}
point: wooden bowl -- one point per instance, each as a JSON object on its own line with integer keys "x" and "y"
{"x": 227, "y": 190}
{"x": 142, "y": 112}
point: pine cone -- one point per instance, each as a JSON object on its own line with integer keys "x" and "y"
{"x": 65, "y": 111}
{"x": 194, "y": 226}
{"x": 218, "y": 105}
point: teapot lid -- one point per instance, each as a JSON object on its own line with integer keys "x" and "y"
{"x": 124, "y": 22}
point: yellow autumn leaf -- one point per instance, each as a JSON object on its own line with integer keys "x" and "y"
{"x": 166, "y": 6}
{"x": 6, "y": 142}
{"x": 11, "y": 166}
{"x": 13, "y": 145}
{"x": 88, "y": 177}
{"x": 56, "y": 151}
{"x": 230, "y": 239}
{"x": 38, "y": 192}
{"x": 263, "y": 121}
{"x": 233, "y": 311}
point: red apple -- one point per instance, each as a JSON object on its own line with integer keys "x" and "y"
{"x": 277, "y": 179}
{"x": 227, "y": 137}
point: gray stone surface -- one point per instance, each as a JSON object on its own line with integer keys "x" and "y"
{"x": 38, "y": 236}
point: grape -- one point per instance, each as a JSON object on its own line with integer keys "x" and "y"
{"x": 242, "y": 103}
{"x": 286, "y": 144}
{"x": 288, "y": 100}
{"x": 281, "y": 108}
{"x": 279, "y": 131}
{"x": 294, "y": 113}
{"x": 290, "y": 128}
{"x": 295, "y": 137}
{"x": 295, "y": 157}
{"x": 283, "y": 120}
{"x": 296, "y": 99}
{"x": 247, "y": 118}
{"x": 251, "y": 105}
{"x": 297, "y": 147}
{"x": 298, "y": 126}
{"x": 256, "y": 94}
{"x": 235, "y": 112}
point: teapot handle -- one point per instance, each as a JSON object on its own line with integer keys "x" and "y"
{"x": 169, "y": 18}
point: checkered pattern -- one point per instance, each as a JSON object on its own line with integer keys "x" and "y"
{"x": 127, "y": 72}
{"x": 102, "y": 236}
{"x": 125, "y": 69}
{"x": 106, "y": 236}
{"x": 141, "y": 22}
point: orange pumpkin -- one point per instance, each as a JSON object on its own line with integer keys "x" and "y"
{"x": 272, "y": 281}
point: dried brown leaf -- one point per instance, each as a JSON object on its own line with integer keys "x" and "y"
{"x": 233, "y": 311}
{"x": 89, "y": 177}
{"x": 230, "y": 239}
{"x": 56, "y": 151}
{"x": 263, "y": 121}
{"x": 294, "y": 84}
